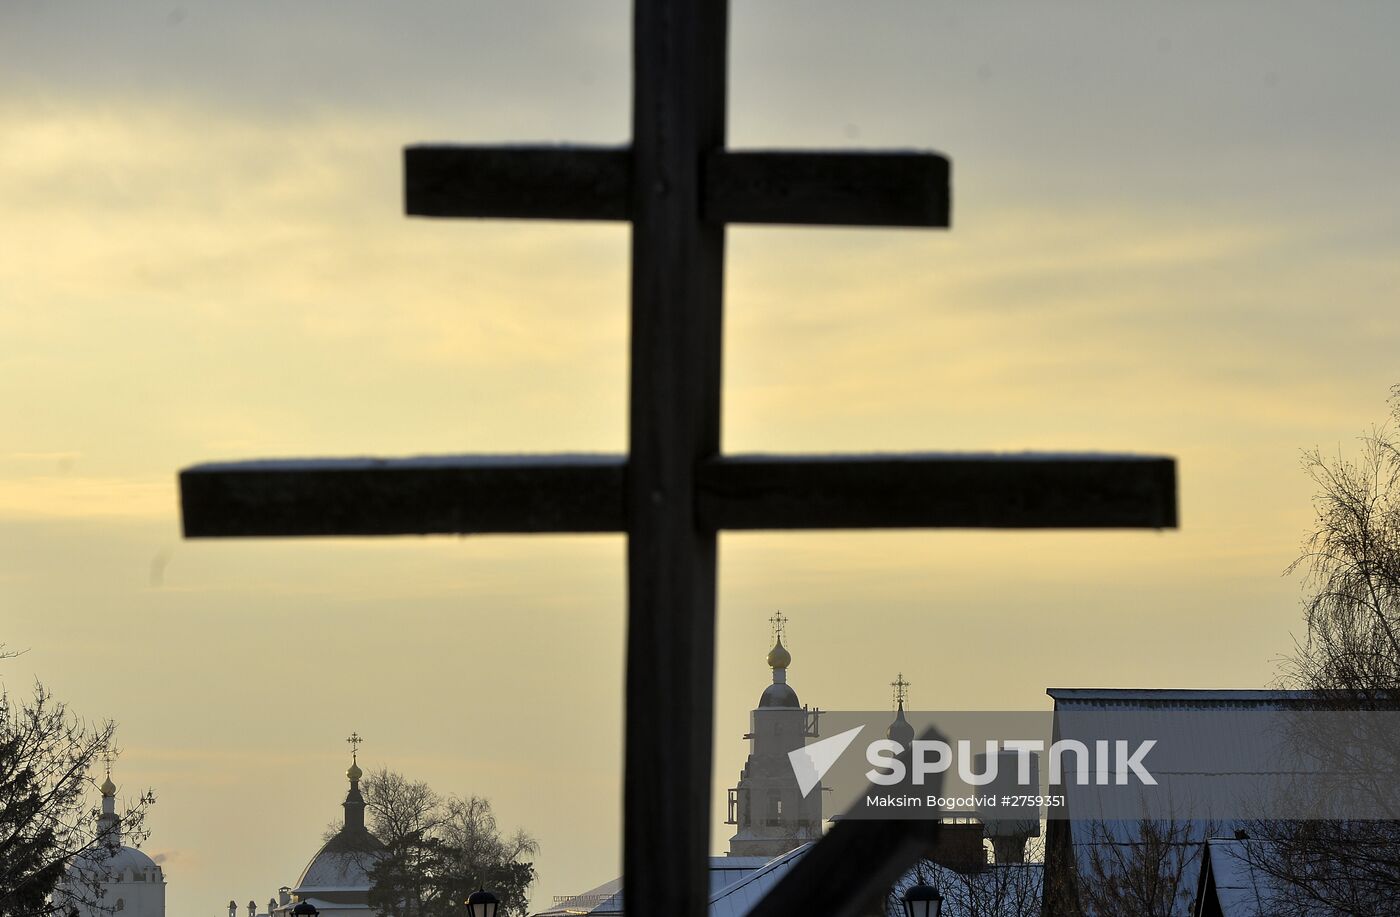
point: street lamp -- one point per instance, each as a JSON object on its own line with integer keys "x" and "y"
{"x": 922, "y": 901}
{"x": 305, "y": 909}
{"x": 482, "y": 903}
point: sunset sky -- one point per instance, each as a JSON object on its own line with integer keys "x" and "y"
{"x": 1176, "y": 230}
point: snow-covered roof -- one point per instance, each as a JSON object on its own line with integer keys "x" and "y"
{"x": 583, "y": 902}
{"x": 124, "y": 858}
{"x": 341, "y": 865}
{"x": 606, "y": 899}
{"x": 740, "y": 897}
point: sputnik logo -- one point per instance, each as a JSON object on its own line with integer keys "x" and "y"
{"x": 811, "y": 762}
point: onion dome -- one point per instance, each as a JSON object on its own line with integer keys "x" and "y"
{"x": 900, "y": 730}
{"x": 354, "y": 772}
{"x": 779, "y": 693}
{"x": 108, "y": 788}
{"x": 778, "y": 656}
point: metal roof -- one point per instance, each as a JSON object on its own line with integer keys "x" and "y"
{"x": 725, "y": 871}
{"x": 1178, "y": 698}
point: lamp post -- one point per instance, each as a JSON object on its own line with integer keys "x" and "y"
{"x": 922, "y": 901}
{"x": 482, "y": 903}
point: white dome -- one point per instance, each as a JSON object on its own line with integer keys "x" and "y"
{"x": 129, "y": 858}
{"x": 343, "y": 864}
{"x": 95, "y": 865}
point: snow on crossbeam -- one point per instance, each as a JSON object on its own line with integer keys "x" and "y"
{"x": 473, "y": 494}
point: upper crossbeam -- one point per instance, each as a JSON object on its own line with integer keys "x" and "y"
{"x": 595, "y": 183}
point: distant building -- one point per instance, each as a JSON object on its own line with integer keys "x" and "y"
{"x": 128, "y": 883}
{"x": 767, "y": 807}
{"x": 776, "y": 826}
{"x": 1229, "y": 886}
{"x": 336, "y": 881}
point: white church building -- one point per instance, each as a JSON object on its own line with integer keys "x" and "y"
{"x": 128, "y": 883}
{"x": 336, "y": 880}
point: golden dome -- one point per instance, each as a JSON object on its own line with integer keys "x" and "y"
{"x": 354, "y": 772}
{"x": 108, "y": 788}
{"x": 778, "y": 656}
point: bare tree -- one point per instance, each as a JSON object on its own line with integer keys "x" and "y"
{"x": 996, "y": 890}
{"x": 469, "y": 825}
{"x": 1146, "y": 868}
{"x": 1324, "y": 868}
{"x": 1349, "y": 659}
{"x": 999, "y": 890}
{"x": 398, "y": 807}
{"x": 47, "y": 824}
{"x": 439, "y": 849}
{"x": 1351, "y": 561}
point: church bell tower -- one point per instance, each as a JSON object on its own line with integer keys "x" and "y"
{"x": 767, "y": 807}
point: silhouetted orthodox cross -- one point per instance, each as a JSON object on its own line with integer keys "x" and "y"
{"x": 354, "y": 743}
{"x": 674, "y": 491}
{"x": 779, "y": 622}
{"x": 901, "y": 689}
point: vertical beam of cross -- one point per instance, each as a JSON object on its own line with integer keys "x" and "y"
{"x": 677, "y": 288}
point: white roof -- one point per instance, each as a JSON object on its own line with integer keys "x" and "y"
{"x": 739, "y": 898}
{"x": 122, "y": 859}
{"x": 607, "y": 898}
{"x": 336, "y": 871}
